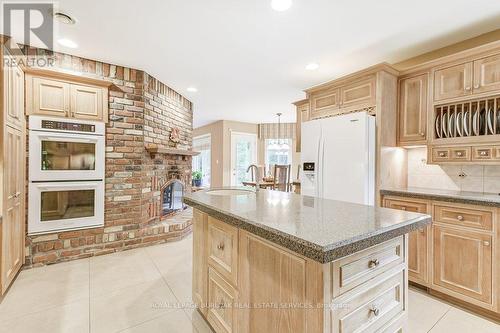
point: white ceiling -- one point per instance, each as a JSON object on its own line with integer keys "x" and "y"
{"x": 248, "y": 60}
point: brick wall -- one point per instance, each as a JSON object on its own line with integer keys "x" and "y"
{"x": 142, "y": 111}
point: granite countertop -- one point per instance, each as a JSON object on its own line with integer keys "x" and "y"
{"x": 320, "y": 229}
{"x": 473, "y": 198}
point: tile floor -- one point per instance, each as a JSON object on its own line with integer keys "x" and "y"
{"x": 130, "y": 292}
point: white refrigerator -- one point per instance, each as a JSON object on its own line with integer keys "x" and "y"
{"x": 338, "y": 158}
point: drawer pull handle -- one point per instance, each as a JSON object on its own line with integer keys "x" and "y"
{"x": 460, "y": 218}
{"x": 441, "y": 154}
{"x": 373, "y": 263}
{"x": 459, "y": 153}
{"x": 486, "y": 243}
{"x": 483, "y": 153}
{"x": 375, "y": 310}
{"x": 220, "y": 246}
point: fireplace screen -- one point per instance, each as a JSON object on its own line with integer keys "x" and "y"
{"x": 172, "y": 197}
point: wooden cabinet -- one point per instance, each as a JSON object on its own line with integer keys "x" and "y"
{"x": 487, "y": 74}
{"x": 438, "y": 155}
{"x": 302, "y": 109}
{"x": 86, "y": 102}
{"x": 12, "y": 174}
{"x": 453, "y": 82}
{"x": 413, "y": 104}
{"x": 223, "y": 249}
{"x": 200, "y": 267}
{"x": 418, "y": 241}
{"x": 463, "y": 263}
{"x": 324, "y": 103}
{"x": 358, "y": 95}
{"x": 222, "y": 297}
{"x": 61, "y": 97}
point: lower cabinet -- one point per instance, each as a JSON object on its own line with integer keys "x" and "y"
{"x": 200, "y": 267}
{"x": 463, "y": 263}
{"x": 462, "y": 250}
{"x": 222, "y": 300}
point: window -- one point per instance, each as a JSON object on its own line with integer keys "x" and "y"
{"x": 278, "y": 154}
{"x": 201, "y": 162}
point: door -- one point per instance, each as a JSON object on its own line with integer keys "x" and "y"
{"x": 310, "y": 145}
{"x": 68, "y": 205}
{"x": 12, "y": 232}
{"x": 64, "y": 156}
{"x": 243, "y": 154}
{"x": 358, "y": 95}
{"x": 418, "y": 241}
{"x": 413, "y": 109}
{"x": 487, "y": 74}
{"x": 347, "y": 158}
{"x": 452, "y": 82}
{"x": 50, "y": 97}
{"x": 14, "y": 96}
{"x": 86, "y": 102}
{"x": 463, "y": 263}
{"x": 324, "y": 103}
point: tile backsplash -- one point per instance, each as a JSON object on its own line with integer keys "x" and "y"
{"x": 477, "y": 178}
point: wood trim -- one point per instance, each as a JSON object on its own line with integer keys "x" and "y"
{"x": 65, "y": 75}
{"x": 171, "y": 151}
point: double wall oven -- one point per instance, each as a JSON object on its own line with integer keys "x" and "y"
{"x": 66, "y": 174}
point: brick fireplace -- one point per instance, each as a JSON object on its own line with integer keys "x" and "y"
{"x": 142, "y": 114}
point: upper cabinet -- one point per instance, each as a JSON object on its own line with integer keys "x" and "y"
{"x": 336, "y": 98}
{"x": 302, "y": 108}
{"x": 14, "y": 96}
{"x": 487, "y": 74}
{"x": 359, "y": 94}
{"x": 61, "y": 97}
{"x": 413, "y": 103}
{"x": 453, "y": 82}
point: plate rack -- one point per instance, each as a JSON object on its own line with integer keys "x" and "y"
{"x": 475, "y": 118}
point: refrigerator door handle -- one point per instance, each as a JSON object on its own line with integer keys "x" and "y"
{"x": 318, "y": 166}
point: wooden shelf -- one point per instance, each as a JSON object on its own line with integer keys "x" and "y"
{"x": 171, "y": 151}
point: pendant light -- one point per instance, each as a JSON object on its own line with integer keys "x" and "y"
{"x": 280, "y": 145}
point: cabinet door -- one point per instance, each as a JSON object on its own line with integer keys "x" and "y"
{"x": 15, "y": 110}
{"x": 463, "y": 263}
{"x": 452, "y": 82}
{"x": 487, "y": 74}
{"x": 50, "y": 97}
{"x": 418, "y": 241}
{"x": 302, "y": 116}
{"x": 358, "y": 95}
{"x": 324, "y": 103}
{"x": 86, "y": 102}
{"x": 200, "y": 260}
{"x": 13, "y": 220}
{"x": 413, "y": 109}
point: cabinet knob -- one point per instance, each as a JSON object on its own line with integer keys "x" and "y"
{"x": 403, "y": 208}
{"x": 483, "y": 153}
{"x": 220, "y": 246}
{"x": 467, "y": 88}
{"x": 486, "y": 243}
{"x": 476, "y": 86}
{"x": 373, "y": 263}
{"x": 441, "y": 154}
{"x": 422, "y": 134}
{"x": 375, "y": 310}
{"x": 459, "y": 153}
{"x": 460, "y": 218}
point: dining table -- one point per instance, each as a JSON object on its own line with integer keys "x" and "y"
{"x": 269, "y": 184}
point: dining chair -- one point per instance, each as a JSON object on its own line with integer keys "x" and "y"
{"x": 282, "y": 178}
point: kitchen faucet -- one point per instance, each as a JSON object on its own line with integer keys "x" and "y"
{"x": 257, "y": 175}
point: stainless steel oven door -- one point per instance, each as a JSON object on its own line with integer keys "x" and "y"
{"x": 65, "y": 156}
{"x": 56, "y": 206}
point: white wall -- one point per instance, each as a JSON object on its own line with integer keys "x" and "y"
{"x": 478, "y": 178}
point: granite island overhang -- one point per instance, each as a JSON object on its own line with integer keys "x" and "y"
{"x": 318, "y": 265}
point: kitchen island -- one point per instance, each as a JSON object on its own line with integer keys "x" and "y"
{"x": 270, "y": 261}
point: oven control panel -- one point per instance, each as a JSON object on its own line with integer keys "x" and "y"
{"x": 65, "y": 126}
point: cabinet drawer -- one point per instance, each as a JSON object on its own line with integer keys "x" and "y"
{"x": 463, "y": 216}
{"x": 222, "y": 298}
{"x": 223, "y": 248}
{"x": 406, "y": 205}
{"x": 451, "y": 154}
{"x": 371, "y": 308}
{"x": 486, "y": 153}
{"x": 353, "y": 270}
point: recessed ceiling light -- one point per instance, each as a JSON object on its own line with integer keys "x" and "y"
{"x": 192, "y": 89}
{"x": 312, "y": 66}
{"x": 68, "y": 43}
{"x": 64, "y": 18}
{"x": 281, "y": 5}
